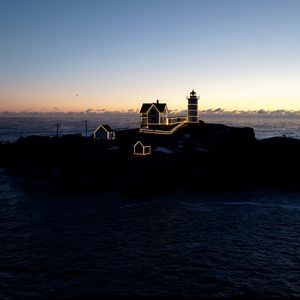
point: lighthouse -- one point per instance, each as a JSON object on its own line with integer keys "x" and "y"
{"x": 192, "y": 112}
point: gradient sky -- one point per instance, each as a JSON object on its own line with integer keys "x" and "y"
{"x": 117, "y": 54}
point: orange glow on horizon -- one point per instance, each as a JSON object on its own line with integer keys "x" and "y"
{"x": 263, "y": 95}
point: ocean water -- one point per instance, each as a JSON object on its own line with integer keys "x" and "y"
{"x": 264, "y": 125}
{"x": 201, "y": 244}
{"x": 14, "y": 126}
{"x": 206, "y": 245}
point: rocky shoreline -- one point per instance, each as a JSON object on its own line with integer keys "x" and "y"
{"x": 197, "y": 157}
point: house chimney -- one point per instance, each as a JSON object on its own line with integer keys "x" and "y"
{"x": 157, "y": 101}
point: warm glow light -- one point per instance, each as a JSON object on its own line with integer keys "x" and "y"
{"x": 110, "y": 135}
{"x": 146, "y": 150}
{"x": 237, "y": 55}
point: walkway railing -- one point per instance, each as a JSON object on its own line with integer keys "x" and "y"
{"x": 157, "y": 131}
{"x": 175, "y": 120}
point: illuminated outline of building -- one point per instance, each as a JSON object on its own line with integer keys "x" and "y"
{"x": 155, "y": 119}
{"x": 192, "y": 113}
{"x": 154, "y": 114}
{"x": 140, "y": 149}
{"x": 104, "y": 132}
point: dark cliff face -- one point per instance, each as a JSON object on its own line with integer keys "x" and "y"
{"x": 198, "y": 157}
{"x": 278, "y": 162}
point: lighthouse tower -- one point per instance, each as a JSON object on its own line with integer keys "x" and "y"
{"x": 192, "y": 112}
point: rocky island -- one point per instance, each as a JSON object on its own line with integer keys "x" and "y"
{"x": 164, "y": 154}
{"x": 197, "y": 157}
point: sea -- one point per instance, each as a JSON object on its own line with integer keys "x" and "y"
{"x": 13, "y": 126}
{"x": 55, "y": 244}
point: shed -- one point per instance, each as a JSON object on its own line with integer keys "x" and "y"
{"x": 104, "y": 132}
{"x": 140, "y": 149}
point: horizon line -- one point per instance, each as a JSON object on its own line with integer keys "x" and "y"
{"x": 136, "y": 111}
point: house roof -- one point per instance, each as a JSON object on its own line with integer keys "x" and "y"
{"x": 159, "y": 106}
{"x": 139, "y": 143}
{"x": 106, "y": 127}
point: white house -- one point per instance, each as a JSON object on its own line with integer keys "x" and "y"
{"x": 154, "y": 114}
{"x": 155, "y": 117}
{"x": 104, "y": 132}
{"x": 140, "y": 149}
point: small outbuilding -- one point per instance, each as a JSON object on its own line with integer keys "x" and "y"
{"x": 140, "y": 149}
{"x": 104, "y": 132}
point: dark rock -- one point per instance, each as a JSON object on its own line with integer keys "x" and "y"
{"x": 205, "y": 157}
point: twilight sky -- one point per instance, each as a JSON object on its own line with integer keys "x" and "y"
{"x": 115, "y": 54}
